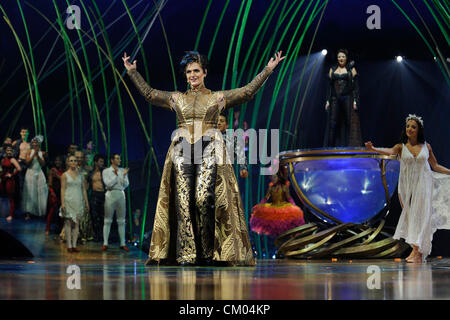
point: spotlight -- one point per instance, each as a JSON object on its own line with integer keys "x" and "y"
{"x": 324, "y": 52}
{"x": 399, "y": 58}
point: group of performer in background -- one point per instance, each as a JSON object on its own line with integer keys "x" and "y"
{"x": 77, "y": 188}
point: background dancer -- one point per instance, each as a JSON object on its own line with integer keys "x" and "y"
{"x": 54, "y": 190}
{"x": 35, "y": 189}
{"x": 343, "y": 128}
{"x": 97, "y": 197}
{"x": 279, "y": 216}
{"x": 9, "y": 182}
{"x": 423, "y": 194}
{"x": 74, "y": 202}
{"x": 116, "y": 181}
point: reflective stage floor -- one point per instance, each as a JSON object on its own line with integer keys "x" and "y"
{"x": 119, "y": 275}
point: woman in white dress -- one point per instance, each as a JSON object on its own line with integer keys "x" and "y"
{"x": 74, "y": 201}
{"x": 424, "y": 194}
{"x": 35, "y": 190}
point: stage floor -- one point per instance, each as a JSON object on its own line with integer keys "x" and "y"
{"x": 119, "y": 275}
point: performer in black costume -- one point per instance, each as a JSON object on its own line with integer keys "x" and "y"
{"x": 343, "y": 128}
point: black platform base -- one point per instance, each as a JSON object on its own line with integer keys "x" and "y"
{"x": 11, "y": 248}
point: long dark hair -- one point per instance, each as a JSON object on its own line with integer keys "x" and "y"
{"x": 420, "y": 133}
{"x": 193, "y": 56}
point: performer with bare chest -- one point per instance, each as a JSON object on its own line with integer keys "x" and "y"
{"x": 21, "y": 147}
{"x": 97, "y": 196}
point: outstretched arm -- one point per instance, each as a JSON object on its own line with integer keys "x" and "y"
{"x": 267, "y": 196}
{"x": 395, "y": 150}
{"x": 157, "y": 97}
{"x": 244, "y": 94}
{"x": 434, "y": 164}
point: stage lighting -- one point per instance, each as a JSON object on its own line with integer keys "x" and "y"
{"x": 399, "y": 58}
{"x": 324, "y": 52}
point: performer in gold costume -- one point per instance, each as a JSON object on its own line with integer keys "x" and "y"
{"x": 199, "y": 215}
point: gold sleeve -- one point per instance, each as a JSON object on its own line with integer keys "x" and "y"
{"x": 157, "y": 97}
{"x": 241, "y": 95}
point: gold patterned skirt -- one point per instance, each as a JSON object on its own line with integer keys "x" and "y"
{"x": 231, "y": 243}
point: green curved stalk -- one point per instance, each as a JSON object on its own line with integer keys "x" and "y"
{"x": 239, "y": 43}
{"x": 121, "y": 46}
{"x": 26, "y": 64}
{"x": 230, "y": 47}
{"x": 202, "y": 24}
{"x": 447, "y": 78}
{"x": 216, "y": 31}
{"x": 447, "y": 22}
{"x": 91, "y": 102}
{"x": 301, "y": 79}
{"x": 105, "y": 93}
{"x": 39, "y": 109}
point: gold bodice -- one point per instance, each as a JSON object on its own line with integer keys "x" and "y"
{"x": 198, "y": 111}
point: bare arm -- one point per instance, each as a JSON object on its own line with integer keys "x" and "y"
{"x": 63, "y": 191}
{"x": 395, "y": 150}
{"x": 28, "y": 157}
{"x": 85, "y": 196}
{"x": 50, "y": 178}
{"x": 434, "y": 164}
{"x": 327, "y": 104}
{"x": 355, "y": 89}
{"x": 267, "y": 196}
{"x": 16, "y": 165}
{"x": 41, "y": 160}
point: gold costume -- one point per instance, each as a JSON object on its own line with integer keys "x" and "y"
{"x": 177, "y": 234}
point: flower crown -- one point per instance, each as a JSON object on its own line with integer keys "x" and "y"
{"x": 414, "y": 117}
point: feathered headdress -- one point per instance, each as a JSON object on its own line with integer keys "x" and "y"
{"x": 39, "y": 139}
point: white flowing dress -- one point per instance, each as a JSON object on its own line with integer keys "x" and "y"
{"x": 73, "y": 198}
{"x": 426, "y": 200}
{"x": 35, "y": 189}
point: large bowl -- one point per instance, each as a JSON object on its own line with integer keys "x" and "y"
{"x": 342, "y": 185}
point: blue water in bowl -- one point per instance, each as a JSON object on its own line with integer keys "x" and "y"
{"x": 350, "y": 189}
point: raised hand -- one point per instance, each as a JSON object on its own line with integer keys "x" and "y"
{"x": 274, "y": 61}
{"x": 369, "y": 145}
{"x": 127, "y": 64}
